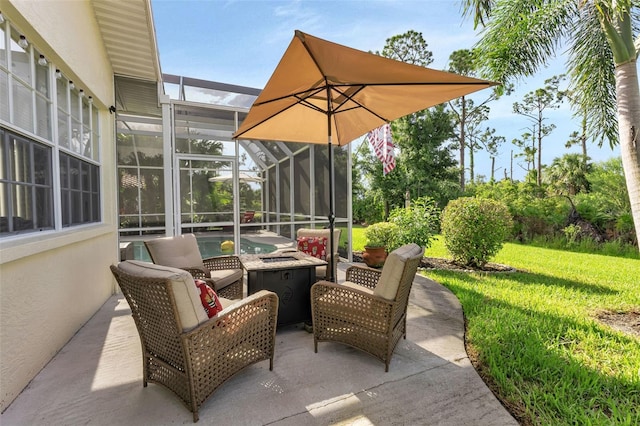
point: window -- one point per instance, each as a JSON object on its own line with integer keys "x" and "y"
{"x": 75, "y": 120}
{"x": 44, "y": 117}
{"x": 26, "y": 191}
{"x": 80, "y": 194}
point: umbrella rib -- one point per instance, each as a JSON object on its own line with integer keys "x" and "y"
{"x": 311, "y": 92}
{"x": 350, "y": 98}
{"x": 316, "y": 90}
{"x": 347, "y": 96}
{"x": 307, "y": 94}
{"x": 337, "y": 110}
{"x": 301, "y": 100}
{"x": 421, "y": 83}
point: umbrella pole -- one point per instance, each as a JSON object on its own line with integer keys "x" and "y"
{"x": 332, "y": 216}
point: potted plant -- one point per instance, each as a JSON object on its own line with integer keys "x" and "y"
{"x": 380, "y": 238}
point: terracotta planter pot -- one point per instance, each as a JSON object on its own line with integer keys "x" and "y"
{"x": 374, "y": 257}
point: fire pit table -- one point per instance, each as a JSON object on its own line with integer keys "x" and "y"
{"x": 290, "y": 275}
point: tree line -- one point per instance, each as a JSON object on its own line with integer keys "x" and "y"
{"x": 437, "y": 146}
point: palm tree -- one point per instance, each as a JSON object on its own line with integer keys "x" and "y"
{"x": 567, "y": 175}
{"x": 519, "y": 37}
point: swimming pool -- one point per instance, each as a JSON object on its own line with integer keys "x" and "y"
{"x": 210, "y": 247}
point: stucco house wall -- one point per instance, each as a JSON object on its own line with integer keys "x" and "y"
{"x": 52, "y": 282}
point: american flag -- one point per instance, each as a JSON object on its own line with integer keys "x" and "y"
{"x": 382, "y": 143}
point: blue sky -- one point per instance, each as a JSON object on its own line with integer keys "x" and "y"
{"x": 241, "y": 41}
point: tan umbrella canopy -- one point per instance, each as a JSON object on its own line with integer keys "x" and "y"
{"x": 323, "y": 92}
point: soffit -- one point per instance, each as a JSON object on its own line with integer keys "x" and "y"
{"x": 129, "y": 37}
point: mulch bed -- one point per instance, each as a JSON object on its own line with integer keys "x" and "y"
{"x": 438, "y": 263}
{"x": 432, "y": 263}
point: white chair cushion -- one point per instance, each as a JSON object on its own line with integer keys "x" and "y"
{"x": 226, "y": 302}
{"x": 224, "y": 277}
{"x": 393, "y": 268}
{"x": 180, "y": 251}
{"x": 321, "y": 272}
{"x": 185, "y": 292}
{"x": 357, "y": 287}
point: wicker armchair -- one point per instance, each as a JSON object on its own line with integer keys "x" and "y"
{"x": 183, "y": 349}
{"x": 369, "y": 310}
{"x": 223, "y": 273}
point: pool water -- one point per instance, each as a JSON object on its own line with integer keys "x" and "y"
{"x": 210, "y": 247}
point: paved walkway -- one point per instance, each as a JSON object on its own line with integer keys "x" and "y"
{"x": 97, "y": 379}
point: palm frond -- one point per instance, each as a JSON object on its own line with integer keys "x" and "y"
{"x": 591, "y": 70}
{"x": 478, "y": 9}
{"x": 635, "y": 23}
{"x": 522, "y": 36}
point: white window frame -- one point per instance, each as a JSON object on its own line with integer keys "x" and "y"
{"x": 87, "y": 118}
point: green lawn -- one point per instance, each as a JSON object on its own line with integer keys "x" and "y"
{"x": 537, "y": 343}
{"x": 534, "y": 338}
{"x": 357, "y": 237}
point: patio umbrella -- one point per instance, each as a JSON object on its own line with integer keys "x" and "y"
{"x": 242, "y": 177}
{"x": 323, "y": 92}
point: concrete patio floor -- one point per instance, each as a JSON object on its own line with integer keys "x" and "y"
{"x": 97, "y": 379}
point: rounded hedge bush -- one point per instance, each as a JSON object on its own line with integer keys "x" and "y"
{"x": 382, "y": 234}
{"x": 474, "y": 229}
{"x": 417, "y": 223}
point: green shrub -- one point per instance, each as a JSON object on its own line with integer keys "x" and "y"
{"x": 539, "y": 215}
{"x": 532, "y": 211}
{"x": 608, "y": 214}
{"x": 381, "y": 234}
{"x": 474, "y": 229}
{"x": 418, "y": 223}
{"x": 572, "y": 233}
{"x": 624, "y": 228}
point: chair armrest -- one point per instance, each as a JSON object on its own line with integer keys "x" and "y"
{"x": 198, "y": 273}
{"x": 352, "y": 302}
{"x": 364, "y": 276}
{"x": 222, "y": 262}
{"x": 256, "y": 299}
{"x": 255, "y": 314}
{"x": 240, "y": 335}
